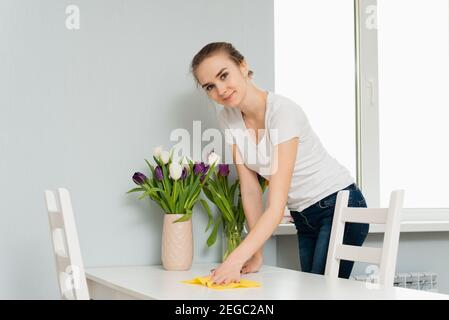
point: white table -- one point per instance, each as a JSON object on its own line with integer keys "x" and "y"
{"x": 153, "y": 282}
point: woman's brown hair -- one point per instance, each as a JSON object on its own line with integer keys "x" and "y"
{"x": 214, "y": 48}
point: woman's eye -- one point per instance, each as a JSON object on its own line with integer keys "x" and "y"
{"x": 209, "y": 87}
{"x": 223, "y": 76}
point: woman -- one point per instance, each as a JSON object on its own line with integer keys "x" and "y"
{"x": 301, "y": 173}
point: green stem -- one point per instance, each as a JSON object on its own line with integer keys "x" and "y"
{"x": 233, "y": 238}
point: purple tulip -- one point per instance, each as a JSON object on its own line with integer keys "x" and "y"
{"x": 198, "y": 168}
{"x": 205, "y": 171}
{"x": 223, "y": 170}
{"x": 139, "y": 178}
{"x": 184, "y": 173}
{"x": 158, "y": 173}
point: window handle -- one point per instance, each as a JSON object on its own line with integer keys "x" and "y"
{"x": 370, "y": 88}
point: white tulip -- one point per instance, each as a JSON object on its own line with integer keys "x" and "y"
{"x": 165, "y": 156}
{"x": 213, "y": 158}
{"x": 174, "y": 153}
{"x": 185, "y": 163}
{"x": 175, "y": 170}
{"x": 157, "y": 152}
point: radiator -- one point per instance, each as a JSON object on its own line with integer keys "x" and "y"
{"x": 426, "y": 281}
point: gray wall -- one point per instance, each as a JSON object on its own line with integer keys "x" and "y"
{"x": 82, "y": 109}
{"x": 418, "y": 252}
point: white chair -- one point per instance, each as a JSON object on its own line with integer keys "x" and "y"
{"x": 69, "y": 264}
{"x": 384, "y": 257}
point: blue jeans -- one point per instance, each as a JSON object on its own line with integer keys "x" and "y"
{"x": 314, "y": 225}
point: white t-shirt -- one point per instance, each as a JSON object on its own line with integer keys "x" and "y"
{"x": 316, "y": 174}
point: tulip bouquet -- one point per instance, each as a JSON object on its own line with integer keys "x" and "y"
{"x": 228, "y": 199}
{"x": 174, "y": 185}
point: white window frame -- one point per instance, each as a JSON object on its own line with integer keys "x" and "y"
{"x": 367, "y": 128}
{"x": 367, "y": 123}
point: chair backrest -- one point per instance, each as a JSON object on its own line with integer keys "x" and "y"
{"x": 384, "y": 257}
{"x": 69, "y": 264}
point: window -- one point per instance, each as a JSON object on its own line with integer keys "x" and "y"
{"x": 413, "y": 46}
{"x": 314, "y": 66}
{"x": 373, "y": 78}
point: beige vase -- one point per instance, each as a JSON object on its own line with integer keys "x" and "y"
{"x": 177, "y": 243}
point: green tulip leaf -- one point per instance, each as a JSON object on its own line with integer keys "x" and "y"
{"x": 136, "y": 190}
{"x": 213, "y": 236}
{"x": 185, "y": 217}
{"x": 209, "y": 214}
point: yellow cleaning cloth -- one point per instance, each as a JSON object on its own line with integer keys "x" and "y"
{"x": 205, "y": 281}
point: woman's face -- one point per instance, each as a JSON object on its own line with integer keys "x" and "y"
{"x": 223, "y": 80}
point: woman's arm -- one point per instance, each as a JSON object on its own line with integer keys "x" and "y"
{"x": 283, "y": 162}
{"x": 250, "y": 191}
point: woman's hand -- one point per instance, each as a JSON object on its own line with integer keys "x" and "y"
{"x": 253, "y": 264}
{"x": 227, "y": 272}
